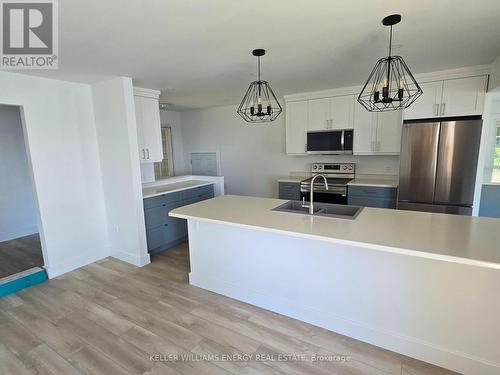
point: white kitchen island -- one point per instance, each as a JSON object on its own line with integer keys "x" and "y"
{"x": 421, "y": 284}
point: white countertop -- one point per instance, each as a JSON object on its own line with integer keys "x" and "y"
{"x": 153, "y": 191}
{"x": 374, "y": 181}
{"x": 461, "y": 239}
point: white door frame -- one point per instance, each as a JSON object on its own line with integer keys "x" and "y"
{"x": 33, "y": 183}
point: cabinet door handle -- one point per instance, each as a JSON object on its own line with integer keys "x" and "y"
{"x": 436, "y": 110}
{"x": 443, "y": 109}
{"x": 143, "y": 154}
{"x": 305, "y": 147}
{"x": 147, "y": 150}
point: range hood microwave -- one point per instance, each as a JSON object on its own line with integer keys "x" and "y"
{"x": 331, "y": 142}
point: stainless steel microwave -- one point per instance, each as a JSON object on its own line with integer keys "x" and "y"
{"x": 332, "y": 142}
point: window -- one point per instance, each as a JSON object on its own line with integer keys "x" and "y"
{"x": 165, "y": 168}
{"x": 496, "y": 157}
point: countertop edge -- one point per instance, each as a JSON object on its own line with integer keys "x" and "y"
{"x": 180, "y": 189}
{"x": 390, "y": 249}
{"x": 374, "y": 184}
{"x": 291, "y": 180}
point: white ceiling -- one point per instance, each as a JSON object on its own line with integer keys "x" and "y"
{"x": 198, "y": 51}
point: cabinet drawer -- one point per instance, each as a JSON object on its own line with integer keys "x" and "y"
{"x": 162, "y": 199}
{"x": 198, "y": 191}
{"x": 197, "y": 198}
{"x": 372, "y": 191}
{"x": 155, "y": 237}
{"x": 371, "y": 202}
{"x": 156, "y": 216}
{"x": 289, "y": 190}
{"x": 206, "y": 196}
{"x": 161, "y": 237}
{"x": 175, "y": 230}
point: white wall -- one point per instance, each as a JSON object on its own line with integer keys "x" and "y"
{"x": 253, "y": 155}
{"x": 121, "y": 176}
{"x": 18, "y": 216}
{"x": 61, "y": 138}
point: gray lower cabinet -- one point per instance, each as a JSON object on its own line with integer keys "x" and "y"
{"x": 289, "y": 190}
{"x": 371, "y": 196}
{"x": 163, "y": 231}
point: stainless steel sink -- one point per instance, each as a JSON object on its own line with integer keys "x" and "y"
{"x": 296, "y": 206}
{"x": 336, "y": 211}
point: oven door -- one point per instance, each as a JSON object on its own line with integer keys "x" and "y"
{"x": 335, "y": 196}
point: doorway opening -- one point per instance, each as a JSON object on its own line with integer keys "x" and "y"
{"x": 20, "y": 242}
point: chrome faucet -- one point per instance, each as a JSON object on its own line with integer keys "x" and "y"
{"x": 311, "y": 204}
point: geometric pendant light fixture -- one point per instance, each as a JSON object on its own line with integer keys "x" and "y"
{"x": 390, "y": 86}
{"x": 259, "y": 103}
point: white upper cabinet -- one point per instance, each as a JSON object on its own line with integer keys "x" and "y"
{"x": 379, "y": 133}
{"x": 376, "y": 132}
{"x": 463, "y": 96}
{"x": 342, "y": 112}
{"x": 140, "y": 132}
{"x": 319, "y": 114}
{"x": 331, "y": 113}
{"x": 427, "y": 105}
{"x": 147, "y": 113}
{"x": 296, "y": 127}
{"x": 365, "y": 128}
{"x": 389, "y": 128}
{"x": 452, "y": 97}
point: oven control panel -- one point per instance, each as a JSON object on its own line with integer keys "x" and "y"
{"x": 333, "y": 168}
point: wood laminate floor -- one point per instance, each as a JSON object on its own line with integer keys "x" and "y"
{"x": 110, "y": 317}
{"x": 20, "y": 254}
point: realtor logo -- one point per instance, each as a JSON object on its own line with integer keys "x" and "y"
{"x": 28, "y": 34}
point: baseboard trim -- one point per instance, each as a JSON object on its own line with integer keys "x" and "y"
{"x": 139, "y": 261}
{"x": 54, "y": 270}
{"x": 409, "y": 346}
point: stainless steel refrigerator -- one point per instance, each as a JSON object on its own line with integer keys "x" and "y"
{"x": 438, "y": 165}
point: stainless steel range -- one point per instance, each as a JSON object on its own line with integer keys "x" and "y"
{"x": 337, "y": 175}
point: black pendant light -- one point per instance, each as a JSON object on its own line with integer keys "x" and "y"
{"x": 259, "y": 103}
{"x": 391, "y": 85}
